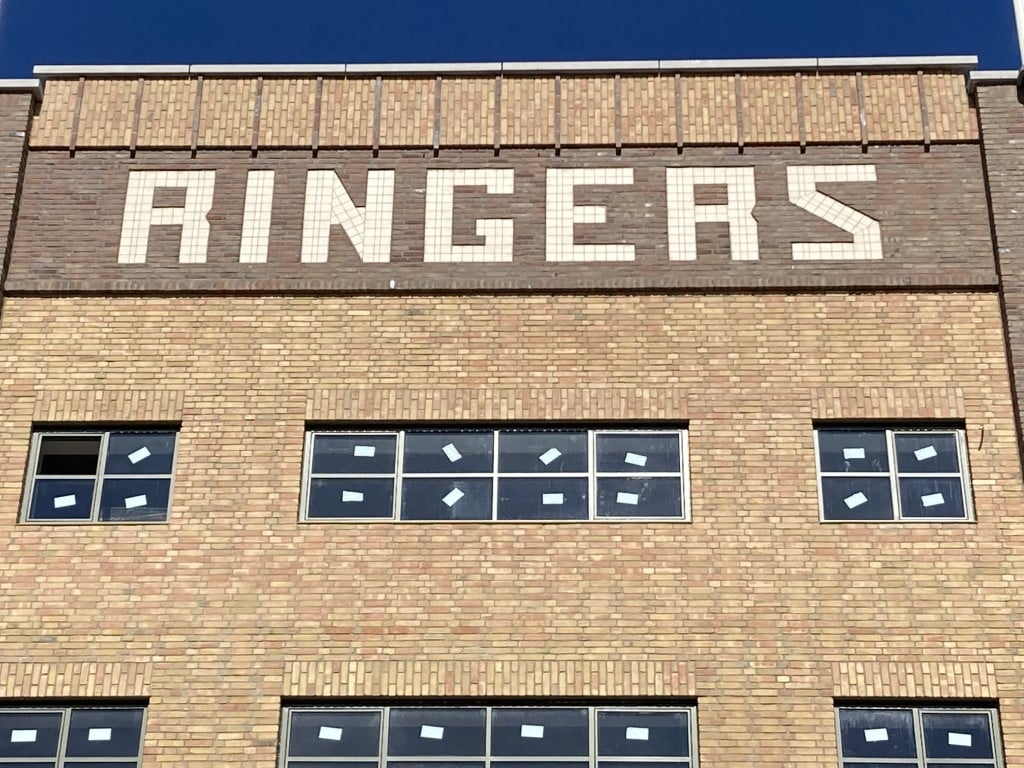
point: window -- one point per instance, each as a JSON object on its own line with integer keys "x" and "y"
{"x": 488, "y": 737}
{"x": 110, "y": 477}
{"x": 892, "y": 474}
{"x": 71, "y": 737}
{"x": 503, "y": 474}
{"x": 918, "y": 737}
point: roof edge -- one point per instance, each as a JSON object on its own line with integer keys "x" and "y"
{"x": 22, "y": 85}
{"x": 963, "y": 64}
{"x": 994, "y": 77}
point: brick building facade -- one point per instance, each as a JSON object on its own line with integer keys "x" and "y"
{"x": 591, "y": 415}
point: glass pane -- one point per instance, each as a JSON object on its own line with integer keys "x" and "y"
{"x": 29, "y": 734}
{"x": 933, "y": 764}
{"x": 537, "y": 764}
{"x": 542, "y": 498}
{"x": 444, "y": 499}
{"x": 140, "y": 454}
{"x": 639, "y": 497}
{"x": 852, "y": 450}
{"x": 68, "y": 455}
{"x": 638, "y": 764}
{"x": 857, "y": 498}
{"x": 43, "y": 764}
{"x": 634, "y": 453}
{"x": 932, "y": 497}
{"x": 350, "y": 498}
{"x": 927, "y": 452}
{"x": 643, "y": 734}
{"x": 105, "y": 733}
{"x": 135, "y": 500}
{"x": 881, "y": 765}
{"x": 542, "y": 452}
{"x": 436, "y": 732}
{"x": 534, "y": 732}
{"x": 61, "y": 500}
{"x": 330, "y": 764}
{"x": 957, "y": 735}
{"x": 448, "y": 453}
{"x": 435, "y": 764}
{"x": 354, "y": 454}
{"x": 110, "y": 763}
{"x": 334, "y": 734}
{"x": 877, "y": 733}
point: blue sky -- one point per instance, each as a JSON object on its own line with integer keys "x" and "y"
{"x": 342, "y": 31}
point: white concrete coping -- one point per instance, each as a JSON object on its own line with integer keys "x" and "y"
{"x": 20, "y": 85}
{"x": 888, "y": 63}
{"x": 993, "y": 77}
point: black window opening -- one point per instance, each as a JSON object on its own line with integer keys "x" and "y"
{"x": 100, "y": 476}
{"x": 516, "y": 474}
{"x": 867, "y": 474}
{"x": 488, "y": 737}
{"x": 71, "y": 737}
{"x": 918, "y": 737}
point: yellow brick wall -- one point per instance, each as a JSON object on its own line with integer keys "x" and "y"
{"x": 467, "y": 111}
{"x": 527, "y": 111}
{"x": 757, "y": 609}
{"x": 108, "y": 108}
{"x": 168, "y": 113}
{"x": 831, "y": 108}
{"x": 648, "y": 110}
{"x": 407, "y": 112}
{"x": 346, "y": 113}
{"x": 287, "y": 113}
{"x": 226, "y": 118}
{"x": 709, "y": 110}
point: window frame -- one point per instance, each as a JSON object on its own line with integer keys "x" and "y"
{"x": 591, "y": 760}
{"x": 61, "y": 758}
{"x": 104, "y": 433}
{"x": 894, "y": 475}
{"x": 917, "y": 713}
{"x": 592, "y": 475}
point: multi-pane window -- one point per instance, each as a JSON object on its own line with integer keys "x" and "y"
{"x": 892, "y": 474}
{"x": 496, "y": 474}
{"x": 488, "y": 737}
{"x": 111, "y": 476}
{"x": 75, "y": 737}
{"x": 918, "y": 737}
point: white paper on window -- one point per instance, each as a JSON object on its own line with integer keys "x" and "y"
{"x": 327, "y": 733}
{"x": 24, "y": 736}
{"x": 452, "y": 452}
{"x": 553, "y": 499}
{"x": 857, "y": 500}
{"x": 854, "y": 453}
{"x": 60, "y": 502}
{"x": 636, "y": 459}
{"x": 637, "y": 734}
{"x": 364, "y": 451}
{"x": 933, "y": 500}
{"x": 431, "y": 732}
{"x": 959, "y": 739}
{"x": 928, "y": 452}
{"x": 133, "y": 502}
{"x": 628, "y": 498}
{"x": 876, "y": 734}
{"x": 136, "y": 456}
{"x": 549, "y": 455}
{"x": 99, "y": 734}
{"x": 453, "y": 497}
{"x": 531, "y": 731}
{"x": 351, "y": 497}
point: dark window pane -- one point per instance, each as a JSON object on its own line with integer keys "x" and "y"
{"x": 44, "y": 764}
{"x": 957, "y": 735}
{"x": 140, "y": 454}
{"x": 932, "y": 764}
{"x": 350, "y": 498}
{"x": 636, "y": 453}
{"x": 29, "y": 734}
{"x": 435, "y": 764}
{"x": 448, "y": 453}
{"x": 542, "y": 498}
{"x": 436, "y": 732}
{"x": 640, "y": 764}
{"x": 68, "y": 455}
{"x": 549, "y": 732}
{"x": 540, "y": 452}
{"x": 927, "y": 452}
{"x": 882, "y": 765}
{"x": 105, "y": 733}
{"x": 537, "y": 764}
{"x": 444, "y": 499}
{"x": 643, "y": 734}
{"x": 134, "y": 500}
{"x": 639, "y": 497}
{"x": 354, "y": 454}
{"x": 932, "y": 497}
{"x": 849, "y": 450}
{"x": 109, "y": 763}
{"x": 877, "y": 733}
{"x": 330, "y": 764}
{"x": 857, "y": 498}
{"x": 61, "y": 500}
{"x": 334, "y": 734}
